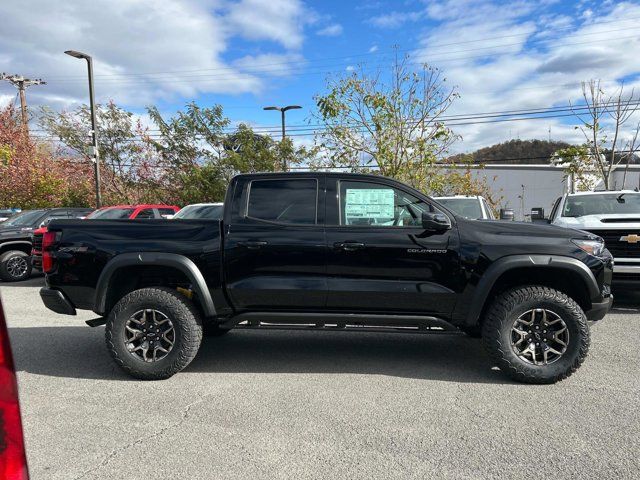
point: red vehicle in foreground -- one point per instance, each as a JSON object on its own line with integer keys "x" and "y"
{"x": 122, "y": 212}
{"x": 13, "y": 461}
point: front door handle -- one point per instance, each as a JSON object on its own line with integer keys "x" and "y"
{"x": 349, "y": 246}
{"x": 253, "y": 244}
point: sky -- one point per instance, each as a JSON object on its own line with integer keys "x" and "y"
{"x": 247, "y": 54}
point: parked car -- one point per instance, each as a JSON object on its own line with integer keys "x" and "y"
{"x": 201, "y": 210}
{"x": 15, "y": 239}
{"x": 7, "y": 213}
{"x": 13, "y": 460}
{"x": 613, "y": 216}
{"x": 121, "y": 212}
{"x": 468, "y": 206}
{"x": 331, "y": 251}
{"x": 38, "y": 233}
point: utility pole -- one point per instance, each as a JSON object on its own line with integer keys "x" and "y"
{"x": 22, "y": 83}
{"x": 282, "y": 111}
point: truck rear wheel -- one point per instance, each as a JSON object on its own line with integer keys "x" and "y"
{"x": 153, "y": 333}
{"x": 536, "y": 334}
{"x": 15, "y": 266}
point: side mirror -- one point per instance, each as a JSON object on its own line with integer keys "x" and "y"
{"x": 507, "y": 214}
{"x": 435, "y": 222}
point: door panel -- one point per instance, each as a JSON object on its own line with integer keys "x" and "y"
{"x": 271, "y": 264}
{"x": 394, "y": 268}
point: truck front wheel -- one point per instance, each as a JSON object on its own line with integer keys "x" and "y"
{"x": 153, "y": 333}
{"x": 536, "y": 334}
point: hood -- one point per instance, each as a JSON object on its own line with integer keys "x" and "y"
{"x": 14, "y": 232}
{"x": 603, "y": 221}
{"x": 503, "y": 227}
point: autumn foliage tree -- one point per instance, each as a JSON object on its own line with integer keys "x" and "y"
{"x": 30, "y": 176}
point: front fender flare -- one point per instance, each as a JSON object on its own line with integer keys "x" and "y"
{"x": 179, "y": 262}
{"x": 504, "y": 264}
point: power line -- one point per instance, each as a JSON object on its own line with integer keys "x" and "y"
{"x": 449, "y": 120}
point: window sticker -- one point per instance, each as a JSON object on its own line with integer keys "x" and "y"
{"x": 376, "y": 203}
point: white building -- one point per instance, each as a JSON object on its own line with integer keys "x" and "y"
{"x": 523, "y": 187}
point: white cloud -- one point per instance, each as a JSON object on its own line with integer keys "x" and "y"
{"x": 276, "y": 65}
{"x": 350, "y": 68}
{"x": 395, "y": 19}
{"x": 373, "y": 49}
{"x": 536, "y": 64}
{"x": 281, "y": 21}
{"x": 333, "y": 30}
{"x": 139, "y": 45}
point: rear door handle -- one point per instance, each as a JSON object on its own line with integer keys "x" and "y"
{"x": 349, "y": 246}
{"x": 253, "y": 244}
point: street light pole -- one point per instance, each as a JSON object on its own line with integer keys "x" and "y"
{"x": 282, "y": 111}
{"x": 94, "y": 127}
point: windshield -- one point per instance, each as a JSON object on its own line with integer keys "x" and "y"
{"x": 200, "y": 211}
{"x": 465, "y": 207}
{"x": 25, "y": 219}
{"x": 111, "y": 214}
{"x": 580, "y": 205}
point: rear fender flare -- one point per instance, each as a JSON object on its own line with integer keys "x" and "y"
{"x": 501, "y": 266}
{"x": 179, "y": 262}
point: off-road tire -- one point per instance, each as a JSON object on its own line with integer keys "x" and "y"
{"x": 5, "y": 273}
{"x": 187, "y": 325}
{"x": 212, "y": 329}
{"x": 496, "y": 333}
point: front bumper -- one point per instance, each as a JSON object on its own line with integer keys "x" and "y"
{"x": 56, "y": 301}
{"x": 599, "y": 309}
{"x": 626, "y": 273}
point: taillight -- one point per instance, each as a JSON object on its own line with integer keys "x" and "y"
{"x": 13, "y": 461}
{"x": 47, "y": 259}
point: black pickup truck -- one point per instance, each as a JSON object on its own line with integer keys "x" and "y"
{"x": 331, "y": 251}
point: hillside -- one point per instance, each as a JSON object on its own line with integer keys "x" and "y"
{"x": 523, "y": 152}
{"x": 513, "y": 152}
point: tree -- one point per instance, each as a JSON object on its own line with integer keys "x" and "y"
{"x": 191, "y": 137}
{"x": 128, "y": 166}
{"x": 579, "y": 166}
{"x": 602, "y": 126}
{"x": 30, "y": 176}
{"x": 392, "y": 123}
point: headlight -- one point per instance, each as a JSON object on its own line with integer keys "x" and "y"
{"x": 592, "y": 247}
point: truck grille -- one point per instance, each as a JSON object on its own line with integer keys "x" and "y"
{"x": 36, "y": 241}
{"x": 618, "y": 248}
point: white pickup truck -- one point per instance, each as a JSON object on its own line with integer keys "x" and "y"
{"x": 473, "y": 207}
{"x": 612, "y": 215}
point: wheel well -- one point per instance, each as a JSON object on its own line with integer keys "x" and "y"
{"x": 23, "y": 247}
{"x": 127, "y": 279}
{"x": 563, "y": 280}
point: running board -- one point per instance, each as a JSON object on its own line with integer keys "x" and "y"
{"x": 96, "y": 322}
{"x": 339, "y": 321}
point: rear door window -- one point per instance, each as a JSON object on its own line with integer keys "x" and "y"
{"x": 291, "y": 201}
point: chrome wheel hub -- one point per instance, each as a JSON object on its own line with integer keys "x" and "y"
{"x": 149, "y": 335}
{"x": 539, "y": 336}
{"x": 17, "y": 266}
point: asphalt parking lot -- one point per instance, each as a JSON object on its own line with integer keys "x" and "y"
{"x": 277, "y": 404}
